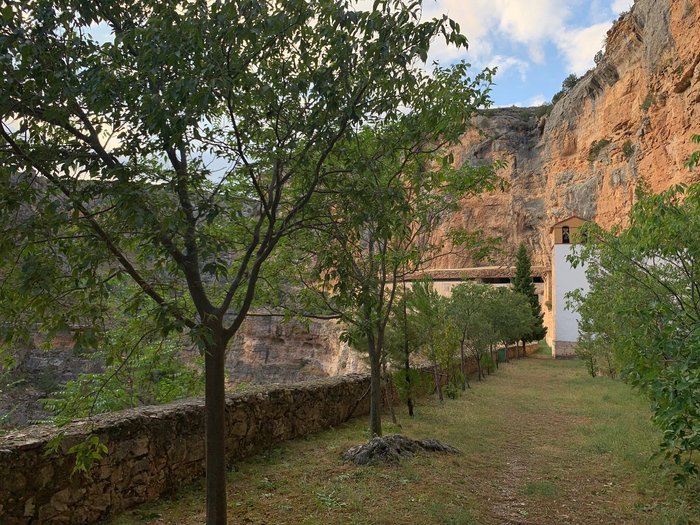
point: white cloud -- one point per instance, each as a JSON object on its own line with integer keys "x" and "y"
{"x": 579, "y": 46}
{"x": 530, "y": 25}
{"x": 619, "y": 6}
{"x": 574, "y": 27}
{"x": 533, "y": 21}
{"x": 505, "y": 63}
{"x": 537, "y": 100}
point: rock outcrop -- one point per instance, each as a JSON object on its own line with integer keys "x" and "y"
{"x": 629, "y": 118}
{"x": 268, "y": 350}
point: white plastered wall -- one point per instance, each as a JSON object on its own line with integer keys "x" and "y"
{"x": 566, "y": 279}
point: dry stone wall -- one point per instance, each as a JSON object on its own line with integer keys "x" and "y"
{"x": 156, "y": 450}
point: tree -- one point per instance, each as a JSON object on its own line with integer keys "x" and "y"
{"x": 174, "y": 146}
{"x": 644, "y": 308}
{"x": 400, "y": 344}
{"x": 430, "y": 318}
{"x": 522, "y": 283}
{"x": 484, "y": 316}
{"x": 511, "y": 316}
{"x": 402, "y": 184}
{"x": 567, "y": 85}
{"x": 469, "y": 313}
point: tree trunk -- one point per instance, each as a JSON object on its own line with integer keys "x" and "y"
{"x": 494, "y": 357}
{"x": 479, "y": 374}
{"x": 389, "y": 394}
{"x": 375, "y": 398}
{"x": 215, "y": 407}
{"x": 436, "y": 375}
{"x": 464, "y": 369}
{"x": 407, "y": 354}
{"x": 407, "y": 369}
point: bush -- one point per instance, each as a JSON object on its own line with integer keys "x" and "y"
{"x": 421, "y": 383}
{"x": 570, "y": 82}
{"x": 596, "y": 147}
{"x": 642, "y": 314}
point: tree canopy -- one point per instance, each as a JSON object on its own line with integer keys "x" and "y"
{"x": 165, "y": 150}
{"x": 523, "y": 283}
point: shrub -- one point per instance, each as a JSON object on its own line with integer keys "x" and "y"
{"x": 570, "y": 82}
{"x": 648, "y": 102}
{"x": 596, "y": 147}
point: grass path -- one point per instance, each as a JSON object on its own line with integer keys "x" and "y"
{"x": 541, "y": 443}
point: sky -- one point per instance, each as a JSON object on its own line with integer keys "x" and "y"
{"x": 534, "y": 43}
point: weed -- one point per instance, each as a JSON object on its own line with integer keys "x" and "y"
{"x": 541, "y": 488}
{"x": 329, "y": 500}
{"x": 544, "y": 349}
{"x": 596, "y": 147}
{"x": 648, "y": 102}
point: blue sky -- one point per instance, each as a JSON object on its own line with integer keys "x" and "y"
{"x": 534, "y": 43}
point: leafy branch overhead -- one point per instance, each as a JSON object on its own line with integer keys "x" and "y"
{"x": 166, "y": 151}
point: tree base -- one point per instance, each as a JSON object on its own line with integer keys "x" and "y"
{"x": 391, "y": 448}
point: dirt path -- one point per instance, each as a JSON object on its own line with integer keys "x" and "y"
{"x": 561, "y": 456}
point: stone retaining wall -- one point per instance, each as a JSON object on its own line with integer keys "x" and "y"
{"x": 156, "y": 450}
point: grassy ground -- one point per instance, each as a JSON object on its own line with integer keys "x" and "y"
{"x": 541, "y": 443}
{"x": 544, "y": 349}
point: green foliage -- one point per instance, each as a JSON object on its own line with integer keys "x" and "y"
{"x": 420, "y": 383}
{"x": 180, "y": 150}
{"x": 522, "y": 283}
{"x": 648, "y": 102}
{"x": 141, "y": 372}
{"x": 566, "y": 86}
{"x": 628, "y": 149}
{"x": 557, "y": 96}
{"x": 596, "y": 147}
{"x": 484, "y": 316}
{"x": 397, "y": 183}
{"x": 108, "y": 146}
{"x": 570, "y": 82}
{"x": 543, "y": 109}
{"x": 642, "y": 314}
{"x": 694, "y": 159}
{"x": 437, "y": 337}
{"x": 544, "y": 349}
{"x": 87, "y": 452}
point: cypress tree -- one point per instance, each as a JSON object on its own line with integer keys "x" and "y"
{"x": 522, "y": 282}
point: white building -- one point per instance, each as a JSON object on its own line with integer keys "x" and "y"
{"x": 563, "y": 327}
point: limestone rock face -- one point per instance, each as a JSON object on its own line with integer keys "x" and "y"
{"x": 267, "y": 350}
{"x": 630, "y": 118}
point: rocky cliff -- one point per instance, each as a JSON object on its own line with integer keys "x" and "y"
{"x": 267, "y": 350}
{"x": 631, "y": 117}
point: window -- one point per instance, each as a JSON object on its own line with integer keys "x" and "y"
{"x": 565, "y": 236}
